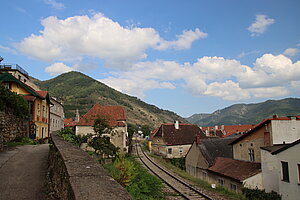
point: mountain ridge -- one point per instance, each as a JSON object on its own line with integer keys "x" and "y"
{"x": 248, "y": 113}
{"x": 78, "y": 90}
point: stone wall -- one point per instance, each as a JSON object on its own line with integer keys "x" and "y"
{"x": 12, "y": 127}
{"x": 73, "y": 174}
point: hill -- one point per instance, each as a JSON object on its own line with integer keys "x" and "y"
{"x": 248, "y": 113}
{"x": 77, "y": 90}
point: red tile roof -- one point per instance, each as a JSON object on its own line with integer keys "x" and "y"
{"x": 186, "y": 134}
{"x": 42, "y": 94}
{"x": 69, "y": 122}
{"x": 230, "y": 129}
{"x": 115, "y": 115}
{"x": 235, "y": 169}
{"x": 29, "y": 98}
{"x": 264, "y": 121}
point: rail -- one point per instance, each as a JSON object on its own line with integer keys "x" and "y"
{"x": 184, "y": 189}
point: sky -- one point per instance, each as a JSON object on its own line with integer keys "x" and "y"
{"x": 194, "y": 56}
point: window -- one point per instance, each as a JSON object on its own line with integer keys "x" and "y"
{"x": 7, "y": 86}
{"x": 233, "y": 187}
{"x": 298, "y": 173}
{"x": 285, "y": 171}
{"x": 44, "y": 111}
{"x": 204, "y": 175}
{"x": 169, "y": 150}
{"x": 251, "y": 155}
{"x": 38, "y": 109}
{"x": 221, "y": 181}
{"x": 180, "y": 150}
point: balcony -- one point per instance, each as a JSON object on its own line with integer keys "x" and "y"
{"x": 13, "y": 66}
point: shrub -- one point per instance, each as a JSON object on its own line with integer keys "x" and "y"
{"x": 257, "y": 194}
{"x": 68, "y": 135}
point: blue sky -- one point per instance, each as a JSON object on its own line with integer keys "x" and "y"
{"x": 185, "y": 56}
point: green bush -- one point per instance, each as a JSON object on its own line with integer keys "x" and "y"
{"x": 139, "y": 182}
{"x": 68, "y": 135}
{"x": 178, "y": 162}
{"x": 21, "y": 141}
{"x": 257, "y": 194}
{"x": 14, "y": 102}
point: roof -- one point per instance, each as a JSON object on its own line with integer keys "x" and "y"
{"x": 227, "y": 130}
{"x": 235, "y": 169}
{"x": 186, "y": 133}
{"x": 115, "y": 115}
{"x": 69, "y": 122}
{"x": 7, "y": 77}
{"x": 275, "y": 149}
{"x": 212, "y": 148}
{"x": 265, "y": 121}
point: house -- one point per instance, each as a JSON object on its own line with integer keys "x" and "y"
{"x": 203, "y": 154}
{"x": 269, "y": 132}
{"x": 174, "y": 140}
{"x": 57, "y": 115}
{"x": 116, "y": 118}
{"x": 71, "y": 122}
{"x": 39, "y": 101}
{"x": 227, "y": 130}
{"x": 235, "y": 174}
{"x": 281, "y": 169}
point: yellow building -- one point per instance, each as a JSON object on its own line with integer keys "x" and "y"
{"x": 39, "y": 101}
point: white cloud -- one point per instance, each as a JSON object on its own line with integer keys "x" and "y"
{"x": 55, "y": 4}
{"x": 98, "y": 37}
{"x": 58, "y": 68}
{"x": 243, "y": 54}
{"x": 212, "y": 76}
{"x": 7, "y": 49}
{"x": 184, "y": 41}
{"x": 260, "y": 25}
{"x": 291, "y": 51}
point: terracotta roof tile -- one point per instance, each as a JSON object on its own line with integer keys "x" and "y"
{"x": 69, "y": 122}
{"x": 114, "y": 114}
{"x": 236, "y": 169}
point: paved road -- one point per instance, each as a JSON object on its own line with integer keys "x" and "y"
{"x": 23, "y": 172}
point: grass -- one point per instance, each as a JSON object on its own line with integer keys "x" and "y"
{"x": 20, "y": 141}
{"x": 198, "y": 182}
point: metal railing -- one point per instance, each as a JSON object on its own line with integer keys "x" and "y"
{"x": 14, "y": 66}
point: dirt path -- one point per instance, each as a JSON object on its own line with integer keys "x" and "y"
{"x": 23, "y": 172}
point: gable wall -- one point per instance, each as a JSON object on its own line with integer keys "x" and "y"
{"x": 253, "y": 141}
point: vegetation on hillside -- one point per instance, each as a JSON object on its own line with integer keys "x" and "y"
{"x": 80, "y": 91}
{"x": 248, "y": 113}
{"x": 13, "y": 102}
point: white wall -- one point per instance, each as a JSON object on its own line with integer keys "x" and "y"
{"x": 84, "y": 130}
{"x": 253, "y": 181}
{"x": 270, "y": 171}
{"x": 285, "y": 130}
{"x": 290, "y": 190}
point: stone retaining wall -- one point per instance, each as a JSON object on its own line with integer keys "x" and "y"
{"x": 73, "y": 174}
{"x": 11, "y": 127}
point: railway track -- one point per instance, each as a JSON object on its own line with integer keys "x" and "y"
{"x": 184, "y": 189}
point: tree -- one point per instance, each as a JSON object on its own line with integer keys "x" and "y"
{"x": 101, "y": 140}
{"x": 146, "y": 130}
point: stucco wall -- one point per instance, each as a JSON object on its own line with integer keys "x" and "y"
{"x": 290, "y": 190}
{"x": 254, "y": 182}
{"x": 270, "y": 171}
{"x": 290, "y": 128}
{"x": 253, "y": 141}
{"x": 118, "y": 138}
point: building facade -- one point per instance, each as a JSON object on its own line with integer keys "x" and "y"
{"x": 57, "y": 115}
{"x": 174, "y": 140}
{"x": 116, "y": 118}
{"x": 17, "y": 80}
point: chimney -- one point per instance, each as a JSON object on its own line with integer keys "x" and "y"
{"x": 197, "y": 139}
{"x": 77, "y": 116}
{"x": 275, "y": 116}
{"x": 176, "y": 124}
{"x": 222, "y": 128}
